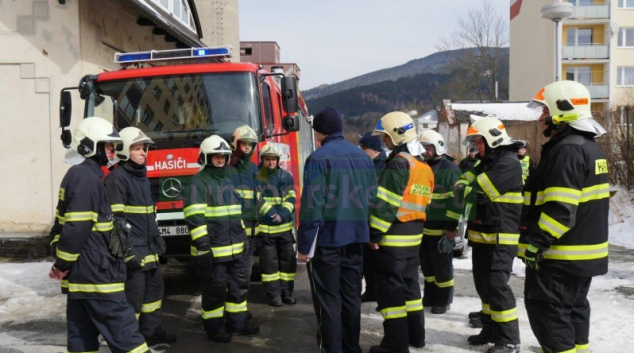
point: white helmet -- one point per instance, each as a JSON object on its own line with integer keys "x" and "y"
{"x": 90, "y": 132}
{"x": 130, "y": 136}
{"x": 398, "y": 125}
{"x": 431, "y": 137}
{"x": 491, "y": 129}
{"x": 568, "y": 102}
{"x": 243, "y": 133}
{"x": 212, "y": 145}
{"x": 271, "y": 150}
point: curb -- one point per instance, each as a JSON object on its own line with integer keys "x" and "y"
{"x": 23, "y": 247}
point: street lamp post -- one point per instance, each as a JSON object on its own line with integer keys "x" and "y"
{"x": 557, "y": 12}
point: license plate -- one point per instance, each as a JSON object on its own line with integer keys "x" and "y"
{"x": 173, "y": 231}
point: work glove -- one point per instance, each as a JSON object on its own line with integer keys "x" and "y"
{"x": 204, "y": 256}
{"x": 445, "y": 246}
{"x": 132, "y": 263}
{"x": 277, "y": 219}
{"x": 532, "y": 257}
{"x": 120, "y": 244}
{"x": 160, "y": 242}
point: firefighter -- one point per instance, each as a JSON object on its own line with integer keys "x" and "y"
{"x": 243, "y": 178}
{"x": 493, "y": 231}
{"x": 443, "y": 214}
{"x": 213, "y": 213}
{"x": 89, "y": 249}
{"x": 564, "y": 226}
{"x": 275, "y": 242}
{"x": 132, "y": 203}
{"x": 372, "y": 146}
{"x": 404, "y": 190}
{"x": 528, "y": 165}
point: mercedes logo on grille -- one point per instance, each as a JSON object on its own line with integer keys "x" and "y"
{"x": 171, "y": 188}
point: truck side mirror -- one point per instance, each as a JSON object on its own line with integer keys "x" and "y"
{"x": 65, "y": 108}
{"x": 291, "y": 123}
{"x": 289, "y": 94}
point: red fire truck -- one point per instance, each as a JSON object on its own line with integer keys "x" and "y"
{"x": 178, "y": 106}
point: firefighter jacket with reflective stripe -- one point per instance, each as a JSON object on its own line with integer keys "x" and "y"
{"x": 242, "y": 174}
{"x": 277, "y": 196}
{"x": 528, "y": 166}
{"x": 566, "y": 204}
{"x": 213, "y": 212}
{"x": 444, "y": 210}
{"x": 131, "y": 199}
{"x": 404, "y": 191}
{"x": 81, "y": 235}
{"x": 496, "y": 185}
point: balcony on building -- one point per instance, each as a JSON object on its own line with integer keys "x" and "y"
{"x": 598, "y": 91}
{"x": 590, "y": 9}
{"x": 586, "y": 51}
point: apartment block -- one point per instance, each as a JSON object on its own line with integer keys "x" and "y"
{"x": 597, "y": 50}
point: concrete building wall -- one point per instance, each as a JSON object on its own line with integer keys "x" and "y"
{"x": 219, "y": 22}
{"x": 260, "y": 52}
{"x": 531, "y": 51}
{"x": 623, "y": 57}
{"x": 46, "y": 47}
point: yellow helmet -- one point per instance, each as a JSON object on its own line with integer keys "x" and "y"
{"x": 130, "y": 136}
{"x": 491, "y": 129}
{"x": 91, "y": 131}
{"x": 431, "y": 137}
{"x": 270, "y": 150}
{"x": 568, "y": 102}
{"x": 212, "y": 145}
{"x": 243, "y": 133}
{"x": 398, "y": 125}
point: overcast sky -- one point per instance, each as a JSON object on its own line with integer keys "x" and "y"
{"x": 333, "y": 40}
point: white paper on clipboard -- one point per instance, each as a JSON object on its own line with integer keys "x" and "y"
{"x": 311, "y": 252}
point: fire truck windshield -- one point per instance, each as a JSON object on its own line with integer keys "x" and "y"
{"x": 179, "y": 110}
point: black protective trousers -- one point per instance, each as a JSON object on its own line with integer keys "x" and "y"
{"x": 399, "y": 299}
{"x": 335, "y": 280}
{"x": 113, "y": 319}
{"x": 558, "y": 310}
{"x": 369, "y": 266}
{"x": 278, "y": 263}
{"x": 438, "y": 271}
{"x": 224, "y": 296}
{"x": 491, "y": 273}
{"x": 144, "y": 291}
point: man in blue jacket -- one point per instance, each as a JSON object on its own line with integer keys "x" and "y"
{"x": 339, "y": 183}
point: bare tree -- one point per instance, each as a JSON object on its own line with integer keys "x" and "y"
{"x": 481, "y": 35}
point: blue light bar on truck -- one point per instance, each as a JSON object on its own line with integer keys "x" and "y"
{"x": 175, "y": 54}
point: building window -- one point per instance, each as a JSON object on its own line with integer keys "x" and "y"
{"x": 625, "y": 76}
{"x": 626, "y": 37}
{"x": 179, "y": 9}
{"x": 626, "y": 4}
{"x": 246, "y": 51}
{"x": 580, "y": 74}
{"x": 580, "y": 36}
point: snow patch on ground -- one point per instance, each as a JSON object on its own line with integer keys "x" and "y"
{"x": 622, "y": 218}
{"x": 26, "y": 293}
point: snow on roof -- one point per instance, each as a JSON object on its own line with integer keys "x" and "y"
{"x": 502, "y": 111}
{"x": 431, "y": 115}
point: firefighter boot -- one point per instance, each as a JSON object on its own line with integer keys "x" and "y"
{"x": 440, "y": 309}
{"x": 275, "y": 301}
{"x": 484, "y": 337}
{"x": 381, "y": 349}
{"x": 287, "y": 299}
{"x": 160, "y": 337}
{"x": 475, "y": 314}
{"x": 220, "y": 336}
{"x": 249, "y": 329}
{"x": 504, "y": 348}
{"x": 476, "y": 322}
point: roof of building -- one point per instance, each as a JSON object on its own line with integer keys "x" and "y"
{"x": 502, "y": 111}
